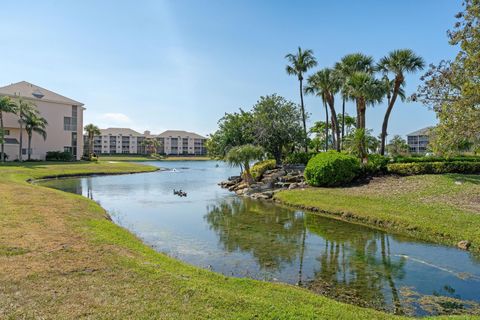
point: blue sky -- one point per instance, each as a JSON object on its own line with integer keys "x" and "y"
{"x": 182, "y": 64}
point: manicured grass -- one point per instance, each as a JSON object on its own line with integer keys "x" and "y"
{"x": 439, "y": 208}
{"x": 138, "y": 158}
{"x": 61, "y": 258}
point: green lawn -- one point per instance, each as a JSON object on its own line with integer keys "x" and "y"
{"x": 438, "y": 208}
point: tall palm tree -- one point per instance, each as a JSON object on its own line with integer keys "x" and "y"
{"x": 365, "y": 90}
{"x": 325, "y": 84}
{"x": 34, "y": 122}
{"x": 92, "y": 131}
{"x": 397, "y": 62}
{"x": 24, "y": 108}
{"x": 300, "y": 63}
{"x": 7, "y": 105}
{"x": 348, "y": 65}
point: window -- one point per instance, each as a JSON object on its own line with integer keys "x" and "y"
{"x": 6, "y": 132}
{"x": 67, "y": 149}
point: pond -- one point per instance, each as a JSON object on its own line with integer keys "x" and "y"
{"x": 214, "y": 229}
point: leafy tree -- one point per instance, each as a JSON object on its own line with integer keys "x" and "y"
{"x": 7, "y": 105}
{"x": 277, "y": 124}
{"x": 151, "y": 144}
{"x": 34, "y": 122}
{"x": 366, "y": 90}
{"x": 397, "y": 146}
{"x": 397, "y": 62}
{"x": 321, "y": 138}
{"x": 452, "y": 88}
{"x": 92, "y": 131}
{"x": 344, "y": 69}
{"x": 242, "y": 156}
{"x": 300, "y": 63}
{"x": 24, "y": 109}
{"x": 235, "y": 129}
{"x": 326, "y": 85}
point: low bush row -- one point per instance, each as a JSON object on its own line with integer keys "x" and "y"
{"x": 436, "y": 159}
{"x": 59, "y": 156}
{"x": 299, "y": 157}
{"x": 413, "y": 168}
{"x": 259, "y": 168}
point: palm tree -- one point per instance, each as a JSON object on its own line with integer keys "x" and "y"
{"x": 300, "y": 63}
{"x": 365, "y": 90}
{"x": 325, "y": 84}
{"x": 34, "y": 123}
{"x": 151, "y": 145}
{"x": 397, "y": 62}
{"x": 242, "y": 156}
{"x": 92, "y": 131}
{"x": 7, "y": 105}
{"x": 24, "y": 108}
{"x": 348, "y": 65}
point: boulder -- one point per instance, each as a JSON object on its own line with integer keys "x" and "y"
{"x": 293, "y": 186}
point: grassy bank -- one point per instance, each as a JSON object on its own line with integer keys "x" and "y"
{"x": 139, "y": 158}
{"x": 439, "y": 208}
{"x": 60, "y": 258}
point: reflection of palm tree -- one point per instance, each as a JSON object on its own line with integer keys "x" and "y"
{"x": 270, "y": 233}
{"x": 352, "y": 268}
{"x": 302, "y": 252}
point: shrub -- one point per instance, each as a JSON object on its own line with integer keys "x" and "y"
{"x": 377, "y": 164}
{"x": 90, "y": 157}
{"x": 436, "y": 159}
{"x": 6, "y": 156}
{"x": 413, "y": 168}
{"x": 299, "y": 157}
{"x": 331, "y": 169}
{"x": 259, "y": 168}
{"x": 59, "y": 156}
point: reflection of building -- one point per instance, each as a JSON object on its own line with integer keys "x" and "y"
{"x": 64, "y": 117}
{"x": 418, "y": 140}
{"x": 128, "y": 141}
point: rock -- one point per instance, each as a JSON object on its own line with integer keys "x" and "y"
{"x": 464, "y": 244}
{"x": 240, "y": 191}
{"x": 293, "y": 186}
{"x": 458, "y": 183}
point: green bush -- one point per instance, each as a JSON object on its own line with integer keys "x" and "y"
{"x": 413, "y": 168}
{"x": 377, "y": 164}
{"x": 59, "y": 156}
{"x": 259, "y": 168}
{"x": 331, "y": 168}
{"x": 299, "y": 157}
{"x": 436, "y": 159}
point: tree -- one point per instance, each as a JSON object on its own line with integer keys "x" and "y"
{"x": 235, "y": 129}
{"x": 277, "y": 124}
{"x": 300, "y": 63}
{"x": 24, "y": 108}
{"x": 242, "y": 156}
{"x": 397, "y": 146}
{"x": 151, "y": 144}
{"x": 34, "y": 122}
{"x": 365, "y": 90}
{"x": 348, "y": 122}
{"x": 326, "y": 85}
{"x": 452, "y": 88}
{"x": 7, "y": 105}
{"x": 397, "y": 62}
{"x": 348, "y": 65}
{"x": 92, "y": 131}
{"x": 321, "y": 139}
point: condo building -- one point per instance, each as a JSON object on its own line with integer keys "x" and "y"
{"x": 418, "y": 141}
{"x": 128, "y": 141}
{"x": 64, "y": 117}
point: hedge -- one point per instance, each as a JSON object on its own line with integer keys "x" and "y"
{"x": 259, "y": 168}
{"x": 59, "y": 156}
{"x": 413, "y": 168}
{"x": 331, "y": 168}
{"x": 436, "y": 159}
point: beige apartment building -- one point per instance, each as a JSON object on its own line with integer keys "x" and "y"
{"x": 128, "y": 141}
{"x": 64, "y": 117}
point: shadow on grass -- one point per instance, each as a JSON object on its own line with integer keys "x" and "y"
{"x": 472, "y": 178}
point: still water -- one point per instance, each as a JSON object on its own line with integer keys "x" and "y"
{"x": 214, "y": 229}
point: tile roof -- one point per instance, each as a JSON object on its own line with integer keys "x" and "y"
{"x": 180, "y": 133}
{"x": 120, "y": 131}
{"x": 30, "y": 91}
{"x": 421, "y": 132}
